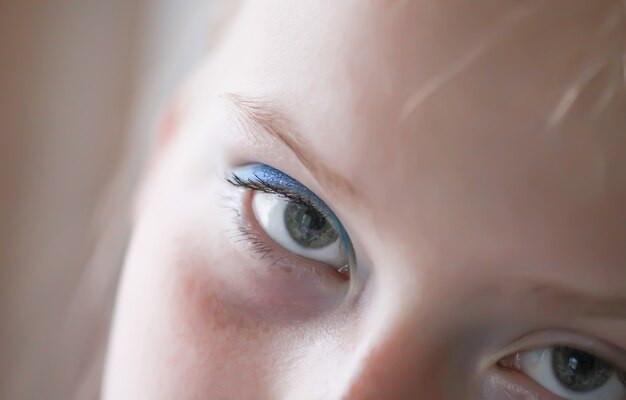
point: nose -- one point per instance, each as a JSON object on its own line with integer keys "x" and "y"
{"x": 404, "y": 340}
{"x": 412, "y": 345}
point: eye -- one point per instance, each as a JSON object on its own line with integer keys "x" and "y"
{"x": 572, "y": 374}
{"x": 299, "y": 228}
{"x": 294, "y": 217}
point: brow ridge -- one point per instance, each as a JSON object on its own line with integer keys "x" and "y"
{"x": 261, "y": 116}
{"x": 588, "y": 305}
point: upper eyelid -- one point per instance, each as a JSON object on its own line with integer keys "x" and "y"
{"x": 256, "y": 176}
{"x": 294, "y": 190}
{"x": 261, "y": 185}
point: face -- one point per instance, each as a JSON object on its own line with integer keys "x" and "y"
{"x": 387, "y": 200}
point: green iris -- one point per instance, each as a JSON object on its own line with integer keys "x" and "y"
{"x": 308, "y": 227}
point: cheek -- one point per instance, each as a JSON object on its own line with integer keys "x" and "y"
{"x": 501, "y": 384}
{"x": 226, "y": 348}
{"x": 182, "y": 334}
{"x": 212, "y": 263}
{"x": 206, "y": 315}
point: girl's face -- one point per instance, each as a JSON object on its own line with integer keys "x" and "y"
{"x": 387, "y": 200}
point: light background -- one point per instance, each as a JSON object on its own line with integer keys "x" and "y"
{"x": 81, "y": 86}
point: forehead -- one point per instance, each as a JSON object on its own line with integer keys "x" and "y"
{"x": 456, "y": 117}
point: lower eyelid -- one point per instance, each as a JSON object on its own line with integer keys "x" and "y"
{"x": 509, "y": 384}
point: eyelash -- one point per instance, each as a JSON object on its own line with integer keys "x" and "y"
{"x": 244, "y": 234}
{"x": 258, "y": 184}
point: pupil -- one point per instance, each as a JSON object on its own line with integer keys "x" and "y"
{"x": 581, "y": 363}
{"x": 580, "y": 371}
{"x": 313, "y": 219}
{"x": 308, "y": 227}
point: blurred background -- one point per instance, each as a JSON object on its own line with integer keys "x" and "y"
{"x": 82, "y": 85}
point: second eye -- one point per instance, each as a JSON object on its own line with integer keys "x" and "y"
{"x": 572, "y": 374}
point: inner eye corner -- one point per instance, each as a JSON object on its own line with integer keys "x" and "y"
{"x": 509, "y": 362}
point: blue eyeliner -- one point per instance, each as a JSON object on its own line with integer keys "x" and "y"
{"x": 265, "y": 178}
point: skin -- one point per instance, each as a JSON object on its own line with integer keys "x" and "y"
{"x": 474, "y": 154}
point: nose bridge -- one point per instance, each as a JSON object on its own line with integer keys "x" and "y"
{"x": 405, "y": 332}
{"x": 399, "y": 363}
{"x": 400, "y": 356}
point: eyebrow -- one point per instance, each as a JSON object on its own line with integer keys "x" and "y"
{"x": 260, "y": 116}
{"x": 582, "y": 303}
{"x": 586, "y": 305}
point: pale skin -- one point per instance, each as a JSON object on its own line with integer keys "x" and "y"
{"x": 474, "y": 154}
